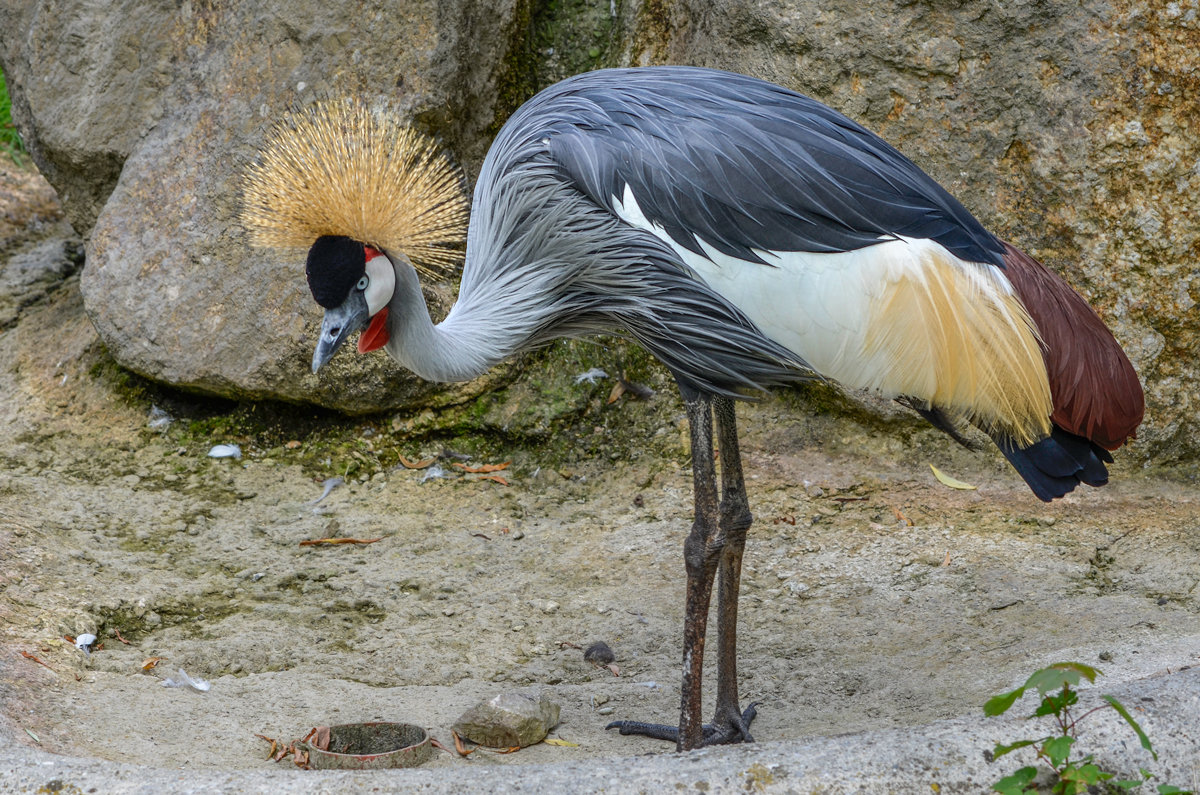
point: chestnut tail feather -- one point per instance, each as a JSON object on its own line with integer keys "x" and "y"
{"x": 1096, "y": 392}
{"x": 1098, "y": 400}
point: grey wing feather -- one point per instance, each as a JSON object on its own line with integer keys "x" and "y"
{"x": 744, "y": 165}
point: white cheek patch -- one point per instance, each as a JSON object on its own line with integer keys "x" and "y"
{"x": 381, "y": 285}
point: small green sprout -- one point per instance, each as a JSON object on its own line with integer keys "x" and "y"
{"x": 1055, "y": 684}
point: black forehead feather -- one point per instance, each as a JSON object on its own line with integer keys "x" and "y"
{"x": 335, "y": 264}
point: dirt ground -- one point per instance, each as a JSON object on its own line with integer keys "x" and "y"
{"x": 873, "y": 595}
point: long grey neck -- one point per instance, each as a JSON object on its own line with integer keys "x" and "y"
{"x": 449, "y": 351}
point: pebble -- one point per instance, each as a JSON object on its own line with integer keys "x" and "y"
{"x": 509, "y": 720}
{"x": 599, "y": 653}
{"x": 225, "y": 451}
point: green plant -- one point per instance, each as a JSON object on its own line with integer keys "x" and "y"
{"x": 10, "y": 140}
{"x": 1055, "y": 684}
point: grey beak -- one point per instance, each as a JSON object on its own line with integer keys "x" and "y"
{"x": 339, "y": 323}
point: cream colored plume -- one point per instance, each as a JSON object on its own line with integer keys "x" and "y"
{"x": 341, "y": 168}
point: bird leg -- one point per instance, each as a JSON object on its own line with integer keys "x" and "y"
{"x": 701, "y": 556}
{"x": 704, "y": 552}
{"x": 730, "y": 723}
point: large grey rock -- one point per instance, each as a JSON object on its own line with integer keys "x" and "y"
{"x": 176, "y": 98}
{"x": 1067, "y": 126}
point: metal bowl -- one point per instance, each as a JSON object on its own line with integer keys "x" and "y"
{"x": 372, "y": 746}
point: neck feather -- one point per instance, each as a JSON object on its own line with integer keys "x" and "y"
{"x": 448, "y": 351}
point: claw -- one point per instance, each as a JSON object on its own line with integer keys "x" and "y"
{"x": 725, "y": 733}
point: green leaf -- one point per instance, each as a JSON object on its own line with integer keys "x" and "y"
{"x": 1001, "y": 750}
{"x": 998, "y": 705}
{"x": 1170, "y": 789}
{"x": 1087, "y": 774}
{"x": 1068, "y": 784}
{"x": 1060, "y": 675}
{"x": 1016, "y": 784}
{"x": 1056, "y": 703}
{"x": 1124, "y": 713}
{"x": 1058, "y": 749}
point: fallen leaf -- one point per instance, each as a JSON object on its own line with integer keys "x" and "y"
{"x": 118, "y": 634}
{"x": 946, "y": 562}
{"x": 458, "y": 744}
{"x": 29, "y": 656}
{"x": 274, "y": 744}
{"x": 292, "y": 445}
{"x": 312, "y": 542}
{"x": 153, "y": 661}
{"x": 562, "y": 743}
{"x": 511, "y": 750}
{"x": 482, "y": 467}
{"x": 617, "y": 390}
{"x": 495, "y": 478}
{"x": 900, "y": 517}
{"x": 953, "y": 483}
{"x": 416, "y": 464}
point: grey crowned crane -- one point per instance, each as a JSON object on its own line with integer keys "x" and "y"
{"x": 748, "y": 237}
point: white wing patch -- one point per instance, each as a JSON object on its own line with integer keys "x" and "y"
{"x": 902, "y": 317}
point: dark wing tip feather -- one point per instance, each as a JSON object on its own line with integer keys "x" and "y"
{"x": 1054, "y": 466}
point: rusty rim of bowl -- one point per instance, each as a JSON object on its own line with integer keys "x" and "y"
{"x": 372, "y": 746}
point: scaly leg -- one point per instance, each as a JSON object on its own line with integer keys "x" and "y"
{"x": 730, "y": 723}
{"x": 705, "y": 551}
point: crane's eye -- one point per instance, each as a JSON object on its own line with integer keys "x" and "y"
{"x": 362, "y": 283}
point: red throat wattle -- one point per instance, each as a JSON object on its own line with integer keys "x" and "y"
{"x": 376, "y": 334}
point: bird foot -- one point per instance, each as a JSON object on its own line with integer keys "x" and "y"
{"x": 735, "y": 729}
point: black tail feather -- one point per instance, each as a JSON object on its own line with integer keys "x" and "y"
{"x": 1054, "y": 466}
{"x": 938, "y": 418}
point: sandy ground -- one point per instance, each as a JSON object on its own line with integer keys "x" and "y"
{"x": 873, "y": 596}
